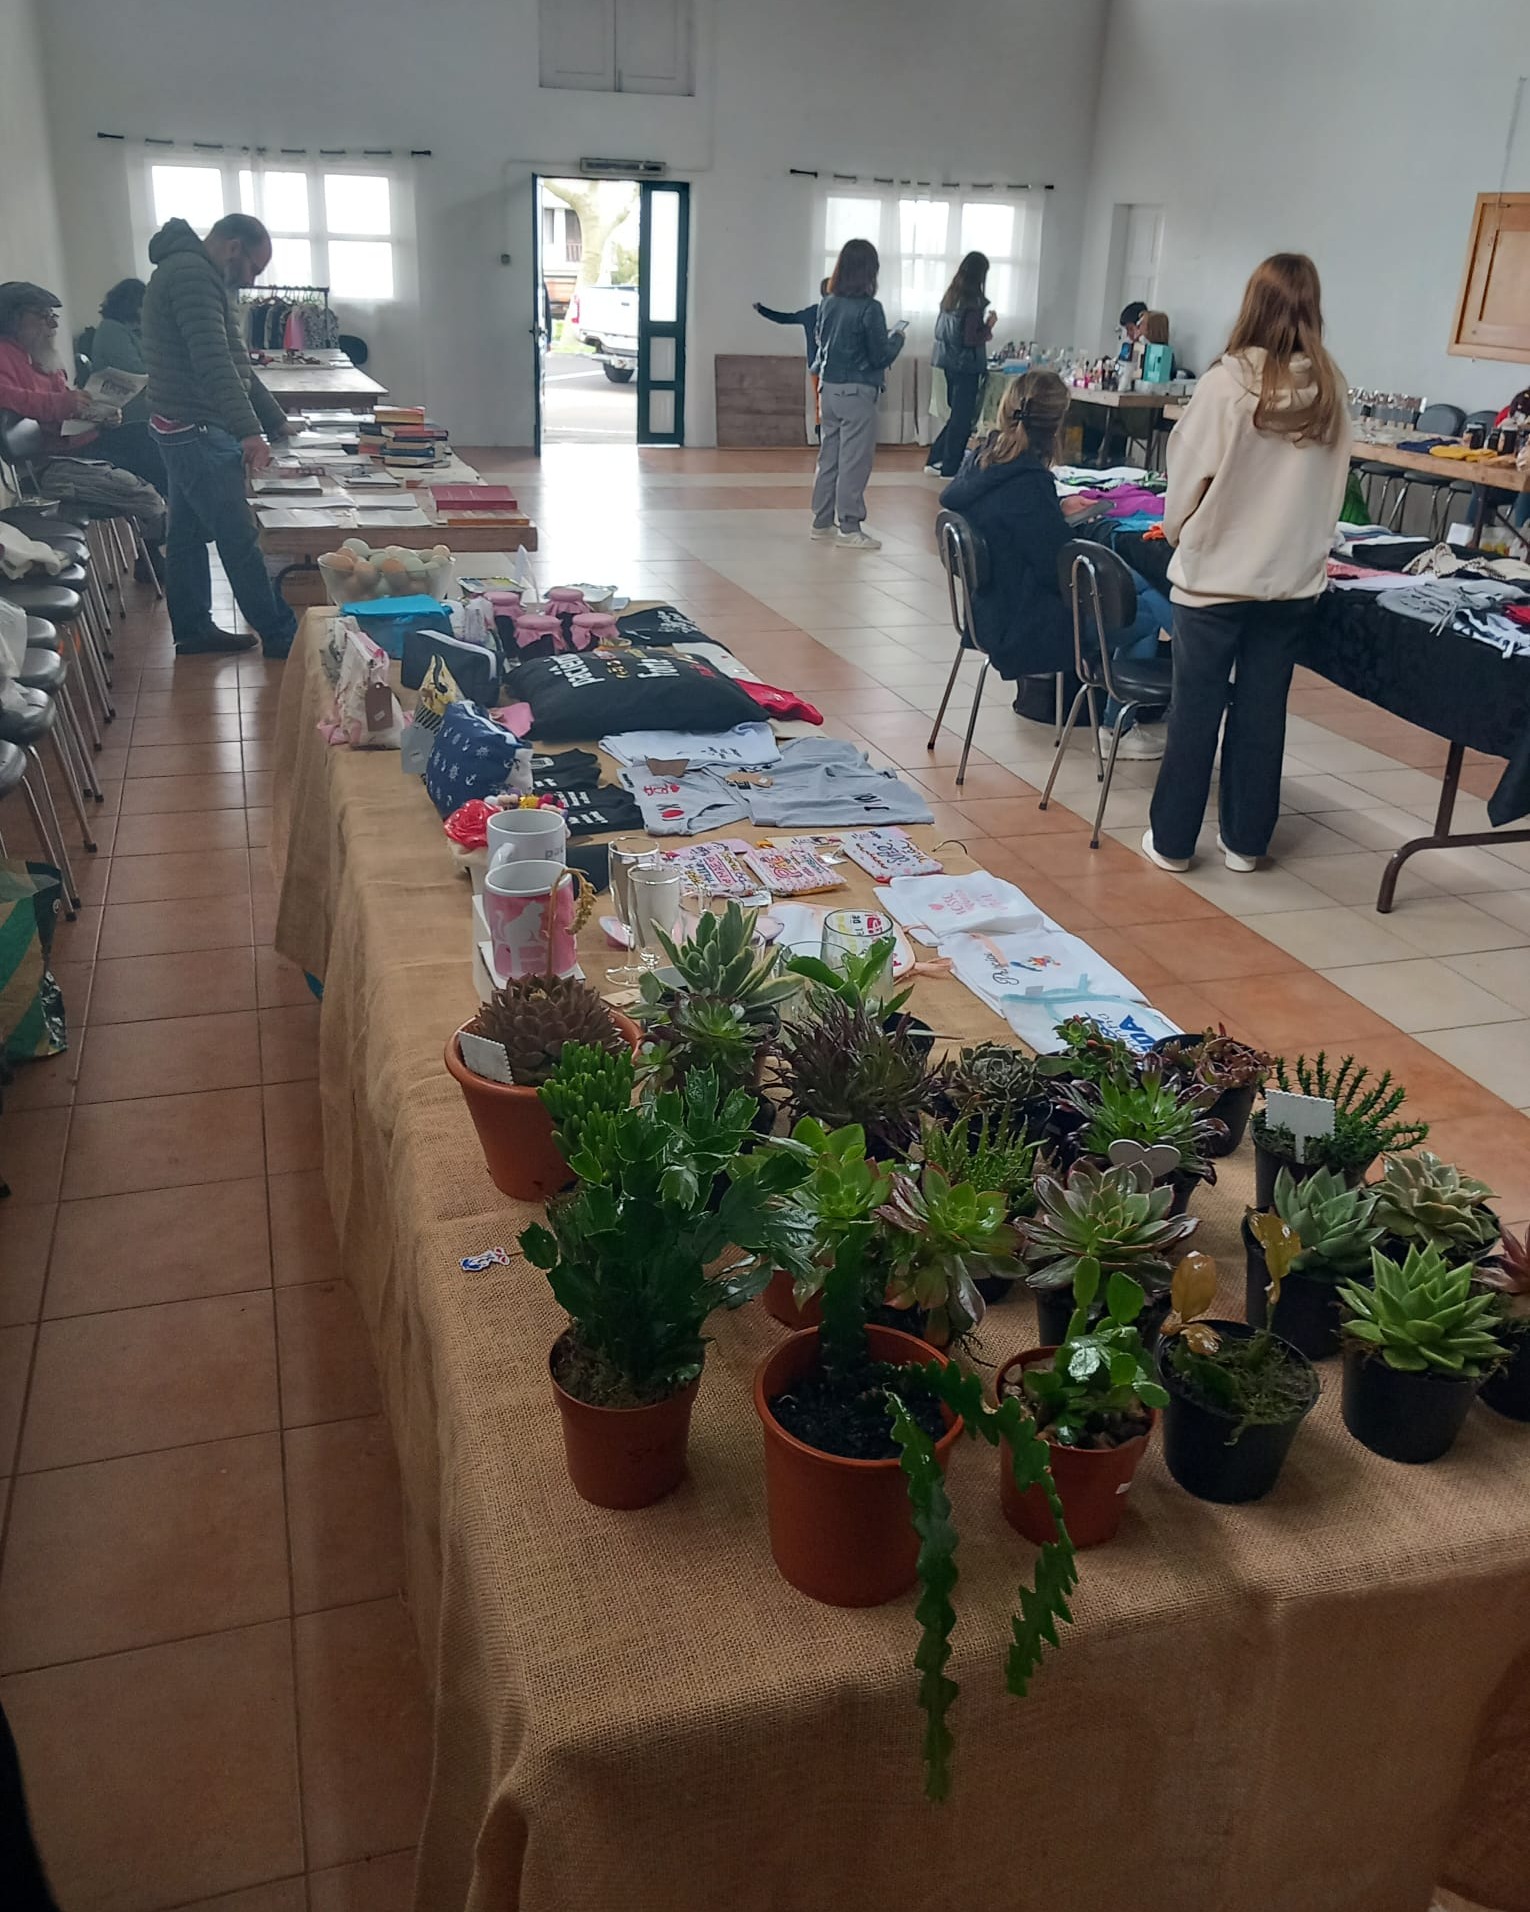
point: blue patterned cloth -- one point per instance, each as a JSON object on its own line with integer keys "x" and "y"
{"x": 471, "y": 758}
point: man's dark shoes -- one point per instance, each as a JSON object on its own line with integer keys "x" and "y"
{"x": 212, "y": 639}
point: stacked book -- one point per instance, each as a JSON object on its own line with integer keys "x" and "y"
{"x": 404, "y": 438}
{"x": 477, "y": 504}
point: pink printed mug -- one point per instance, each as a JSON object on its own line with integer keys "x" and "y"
{"x": 534, "y": 912}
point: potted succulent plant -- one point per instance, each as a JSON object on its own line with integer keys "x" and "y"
{"x": 1093, "y": 1400}
{"x": 1418, "y": 1344}
{"x": 1144, "y": 1117}
{"x": 1088, "y": 1054}
{"x": 1327, "y": 1231}
{"x": 1507, "y": 1389}
{"x": 844, "y": 1068}
{"x": 530, "y": 1022}
{"x": 1237, "y": 1395}
{"x": 1365, "y": 1124}
{"x": 1231, "y": 1069}
{"x": 717, "y": 1005}
{"x": 1423, "y": 1202}
{"x": 840, "y": 1187}
{"x": 996, "y": 1083}
{"x": 987, "y": 1155}
{"x": 626, "y": 1254}
{"x": 865, "y": 977}
{"x": 1113, "y": 1217}
{"x": 859, "y": 1422}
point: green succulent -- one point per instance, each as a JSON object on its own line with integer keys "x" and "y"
{"x": 1365, "y": 1120}
{"x": 721, "y": 961}
{"x": 994, "y": 1154}
{"x": 1422, "y": 1199}
{"x": 1113, "y": 1216}
{"x": 1147, "y": 1109}
{"x": 844, "y": 1067}
{"x": 1333, "y": 1223}
{"x": 1100, "y": 1379}
{"x": 704, "y": 1032}
{"x": 1425, "y": 1316}
{"x": 999, "y": 1082}
{"x": 586, "y": 1094}
{"x": 941, "y": 1241}
{"x": 864, "y": 978}
{"x": 1213, "y": 1059}
{"x": 1088, "y": 1054}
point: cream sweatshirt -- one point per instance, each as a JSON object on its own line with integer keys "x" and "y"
{"x": 1250, "y": 515}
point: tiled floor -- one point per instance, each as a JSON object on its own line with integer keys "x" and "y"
{"x": 203, "y": 1650}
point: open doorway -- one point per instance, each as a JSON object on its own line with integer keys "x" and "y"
{"x": 589, "y": 267}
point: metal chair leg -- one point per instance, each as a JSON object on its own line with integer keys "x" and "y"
{"x": 961, "y": 651}
{"x": 43, "y": 808}
{"x": 977, "y": 698}
{"x": 141, "y": 550}
{"x": 1110, "y": 771}
{"x": 56, "y": 735}
{"x": 1094, "y": 731}
{"x": 1062, "y": 744}
{"x": 1057, "y": 722}
{"x": 85, "y": 660}
{"x": 89, "y": 783}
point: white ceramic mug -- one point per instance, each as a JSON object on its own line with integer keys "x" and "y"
{"x": 534, "y": 911}
{"x": 527, "y": 836}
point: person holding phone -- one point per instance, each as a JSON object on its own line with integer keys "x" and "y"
{"x": 962, "y": 331}
{"x": 855, "y": 349}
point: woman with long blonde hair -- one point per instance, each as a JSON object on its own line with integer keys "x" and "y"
{"x": 1257, "y": 468}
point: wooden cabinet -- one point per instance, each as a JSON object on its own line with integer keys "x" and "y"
{"x": 1493, "y": 311}
{"x": 617, "y": 46}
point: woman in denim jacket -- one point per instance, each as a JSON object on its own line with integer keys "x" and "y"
{"x": 854, "y": 349}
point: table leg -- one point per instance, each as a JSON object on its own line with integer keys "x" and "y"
{"x": 1441, "y": 837}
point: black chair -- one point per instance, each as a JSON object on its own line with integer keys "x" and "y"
{"x": 1099, "y": 587}
{"x": 1461, "y": 490}
{"x": 964, "y": 555}
{"x": 1434, "y": 421}
{"x": 356, "y": 350}
{"x": 26, "y": 718}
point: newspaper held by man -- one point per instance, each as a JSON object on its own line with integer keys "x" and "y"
{"x": 108, "y": 390}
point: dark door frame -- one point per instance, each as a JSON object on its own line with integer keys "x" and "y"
{"x": 650, "y": 329}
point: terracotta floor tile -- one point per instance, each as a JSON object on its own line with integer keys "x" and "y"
{"x": 162, "y": 879}
{"x": 1295, "y": 1014}
{"x": 32, "y": 1153}
{"x": 132, "y": 1552}
{"x": 185, "y": 760}
{"x": 174, "y": 703}
{"x": 203, "y": 982}
{"x": 77, "y": 941}
{"x": 189, "y": 923}
{"x": 1437, "y": 1089}
{"x": 289, "y": 1042}
{"x": 263, "y": 914}
{"x": 371, "y": 1885}
{"x": 1126, "y": 951}
{"x": 1065, "y": 854}
{"x": 47, "y": 1082}
{"x": 165, "y": 1244}
{"x": 1125, "y": 898}
{"x": 145, "y": 1378}
{"x": 1495, "y": 1148}
{"x": 365, "y": 1731}
{"x": 194, "y": 831}
{"x": 15, "y": 1365}
{"x": 1186, "y": 1005}
{"x": 191, "y": 1754}
{"x": 303, "y": 1245}
{"x": 294, "y": 1132}
{"x": 344, "y": 1513}
{"x": 285, "y": 1895}
{"x": 258, "y": 754}
{"x": 278, "y": 983}
{"x": 26, "y": 1233}
{"x": 258, "y": 787}
{"x": 164, "y": 1142}
{"x": 187, "y": 727}
{"x": 258, "y": 827}
{"x": 326, "y": 1360}
{"x": 1212, "y": 947}
{"x": 174, "y": 1057}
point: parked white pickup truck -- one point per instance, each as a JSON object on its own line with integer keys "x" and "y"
{"x": 606, "y": 317}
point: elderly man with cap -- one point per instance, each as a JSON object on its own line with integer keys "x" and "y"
{"x": 35, "y": 385}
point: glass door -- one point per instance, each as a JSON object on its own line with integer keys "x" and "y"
{"x": 663, "y": 255}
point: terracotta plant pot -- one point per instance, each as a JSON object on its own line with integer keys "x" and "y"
{"x": 624, "y": 1456}
{"x": 781, "y": 1303}
{"x": 840, "y": 1530}
{"x": 515, "y": 1131}
{"x": 1091, "y": 1482}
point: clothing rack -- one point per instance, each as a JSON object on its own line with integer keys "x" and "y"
{"x": 302, "y": 294}
{"x": 276, "y": 304}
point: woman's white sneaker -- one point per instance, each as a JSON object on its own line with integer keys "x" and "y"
{"x": 824, "y": 533}
{"x": 1244, "y": 865}
{"x": 858, "y": 541}
{"x": 1142, "y": 743}
{"x": 1178, "y": 864}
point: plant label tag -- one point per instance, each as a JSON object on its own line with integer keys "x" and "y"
{"x": 1306, "y": 1116}
{"x": 485, "y": 1058}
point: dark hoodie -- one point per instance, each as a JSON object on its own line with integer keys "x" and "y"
{"x": 199, "y": 365}
{"x": 1022, "y": 622}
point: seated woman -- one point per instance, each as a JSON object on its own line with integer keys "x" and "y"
{"x": 1006, "y": 492}
{"x": 117, "y": 342}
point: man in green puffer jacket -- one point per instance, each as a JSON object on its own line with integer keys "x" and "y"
{"x": 211, "y": 418}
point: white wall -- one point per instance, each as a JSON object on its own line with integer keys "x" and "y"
{"x": 30, "y": 246}
{"x": 985, "y": 89}
{"x": 1359, "y": 131}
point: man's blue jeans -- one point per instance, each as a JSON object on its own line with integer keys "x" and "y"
{"x": 205, "y": 469}
{"x": 1139, "y": 639}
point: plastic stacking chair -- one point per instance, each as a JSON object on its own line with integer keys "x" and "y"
{"x": 26, "y": 718}
{"x": 964, "y": 555}
{"x": 1103, "y": 597}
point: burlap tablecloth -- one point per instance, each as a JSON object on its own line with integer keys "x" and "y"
{"x": 1275, "y": 1707}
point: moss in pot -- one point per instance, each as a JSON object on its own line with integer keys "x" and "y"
{"x": 1507, "y": 1389}
{"x": 1366, "y": 1124}
{"x": 1419, "y": 1343}
{"x": 1237, "y": 1395}
{"x": 1324, "y": 1231}
{"x": 626, "y": 1255}
{"x": 1114, "y": 1217}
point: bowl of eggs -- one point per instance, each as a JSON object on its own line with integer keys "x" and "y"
{"x": 357, "y": 572}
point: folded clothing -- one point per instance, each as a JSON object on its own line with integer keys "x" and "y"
{"x": 684, "y": 806}
{"x": 661, "y": 624}
{"x": 785, "y": 704}
{"x": 590, "y": 693}
{"x": 744, "y": 747}
{"x": 826, "y": 783}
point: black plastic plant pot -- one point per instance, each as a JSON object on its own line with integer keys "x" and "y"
{"x": 1403, "y": 1416}
{"x": 1268, "y": 1165}
{"x": 1232, "y": 1109}
{"x": 1507, "y": 1389}
{"x": 996, "y": 1287}
{"x": 1196, "y": 1447}
{"x": 1308, "y": 1313}
{"x": 1054, "y": 1310}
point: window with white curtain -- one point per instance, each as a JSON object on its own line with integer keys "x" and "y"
{"x": 342, "y": 224}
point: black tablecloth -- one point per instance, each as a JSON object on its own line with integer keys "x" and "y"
{"x": 1454, "y": 686}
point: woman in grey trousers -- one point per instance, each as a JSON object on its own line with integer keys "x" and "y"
{"x": 854, "y": 350}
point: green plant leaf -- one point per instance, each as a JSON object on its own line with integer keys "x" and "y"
{"x": 931, "y": 1510}
{"x": 1124, "y": 1298}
